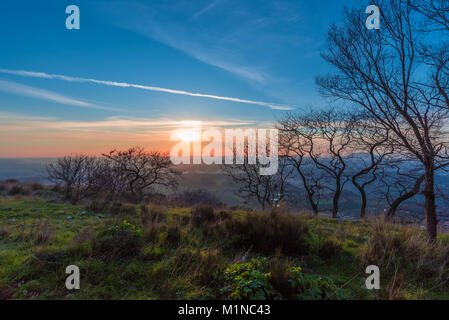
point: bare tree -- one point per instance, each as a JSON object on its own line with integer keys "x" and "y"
{"x": 324, "y": 137}
{"x": 371, "y": 144}
{"x": 268, "y": 190}
{"x": 138, "y": 171}
{"x": 295, "y": 148}
{"x": 436, "y": 13}
{"x": 76, "y": 174}
{"x": 400, "y": 180}
{"x": 377, "y": 70}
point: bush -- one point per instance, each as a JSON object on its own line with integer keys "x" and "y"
{"x": 36, "y": 186}
{"x": 96, "y": 206}
{"x": 17, "y": 190}
{"x": 197, "y": 264}
{"x": 129, "y": 210}
{"x": 248, "y": 281}
{"x": 202, "y": 215}
{"x": 267, "y": 233}
{"x": 4, "y": 233}
{"x": 174, "y": 235}
{"x": 120, "y": 209}
{"x": 329, "y": 249}
{"x": 279, "y": 268}
{"x": 314, "y": 287}
{"x": 396, "y": 248}
{"x": 119, "y": 241}
{"x": 151, "y": 232}
{"x": 39, "y": 233}
{"x": 152, "y": 214}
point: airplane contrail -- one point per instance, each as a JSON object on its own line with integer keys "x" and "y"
{"x": 21, "y": 89}
{"x": 143, "y": 87}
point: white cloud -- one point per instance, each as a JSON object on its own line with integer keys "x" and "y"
{"x": 143, "y": 87}
{"x": 21, "y": 89}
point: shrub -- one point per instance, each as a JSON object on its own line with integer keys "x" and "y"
{"x": 57, "y": 188}
{"x": 120, "y": 209}
{"x": 152, "y": 231}
{"x": 248, "y": 281}
{"x": 4, "y": 233}
{"x": 96, "y": 206}
{"x": 314, "y": 287}
{"x": 266, "y": 233}
{"x": 119, "y": 241}
{"x": 36, "y": 186}
{"x": 329, "y": 248}
{"x": 397, "y": 248}
{"x": 85, "y": 235}
{"x": 174, "y": 235}
{"x": 224, "y": 215}
{"x": 39, "y": 233}
{"x": 152, "y": 214}
{"x": 17, "y": 190}
{"x": 202, "y": 215}
{"x": 279, "y": 268}
{"x": 6, "y": 292}
{"x": 198, "y": 264}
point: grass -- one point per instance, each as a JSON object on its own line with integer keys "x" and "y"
{"x": 172, "y": 253}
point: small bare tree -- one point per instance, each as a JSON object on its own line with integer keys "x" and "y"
{"x": 268, "y": 190}
{"x": 76, "y": 173}
{"x": 371, "y": 144}
{"x": 324, "y": 137}
{"x": 137, "y": 171}
{"x": 295, "y": 148}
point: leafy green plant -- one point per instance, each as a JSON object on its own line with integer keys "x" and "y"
{"x": 248, "y": 280}
{"x": 314, "y": 287}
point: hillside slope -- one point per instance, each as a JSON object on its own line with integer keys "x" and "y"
{"x": 143, "y": 252}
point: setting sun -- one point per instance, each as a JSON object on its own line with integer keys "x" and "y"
{"x": 189, "y": 135}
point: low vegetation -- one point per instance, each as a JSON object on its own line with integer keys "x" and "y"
{"x": 128, "y": 251}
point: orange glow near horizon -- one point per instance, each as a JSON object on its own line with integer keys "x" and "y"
{"x": 34, "y": 137}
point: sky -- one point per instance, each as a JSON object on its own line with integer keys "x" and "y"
{"x": 136, "y": 70}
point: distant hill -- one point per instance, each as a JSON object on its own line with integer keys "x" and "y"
{"x": 211, "y": 178}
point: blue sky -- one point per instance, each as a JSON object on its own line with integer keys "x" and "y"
{"x": 261, "y": 51}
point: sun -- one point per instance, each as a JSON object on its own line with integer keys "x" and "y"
{"x": 189, "y": 135}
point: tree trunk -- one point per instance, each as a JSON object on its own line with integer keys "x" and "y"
{"x": 336, "y": 200}
{"x": 397, "y": 202}
{"x": 362, "y": 196}
{"x": 429, "y": 205}
{"x": 315, "y": 209}
{"x": 363, "y": 206}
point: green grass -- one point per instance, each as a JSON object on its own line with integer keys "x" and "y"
{"x": 175, "y": 259}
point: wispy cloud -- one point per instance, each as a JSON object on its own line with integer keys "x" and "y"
{"x": 11, "y": 121}
{"x": 143, "y": 87}
{"x": 206, "y": 8}
{"x": 233, "y": 35}
{"x": 21, "y": 89}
